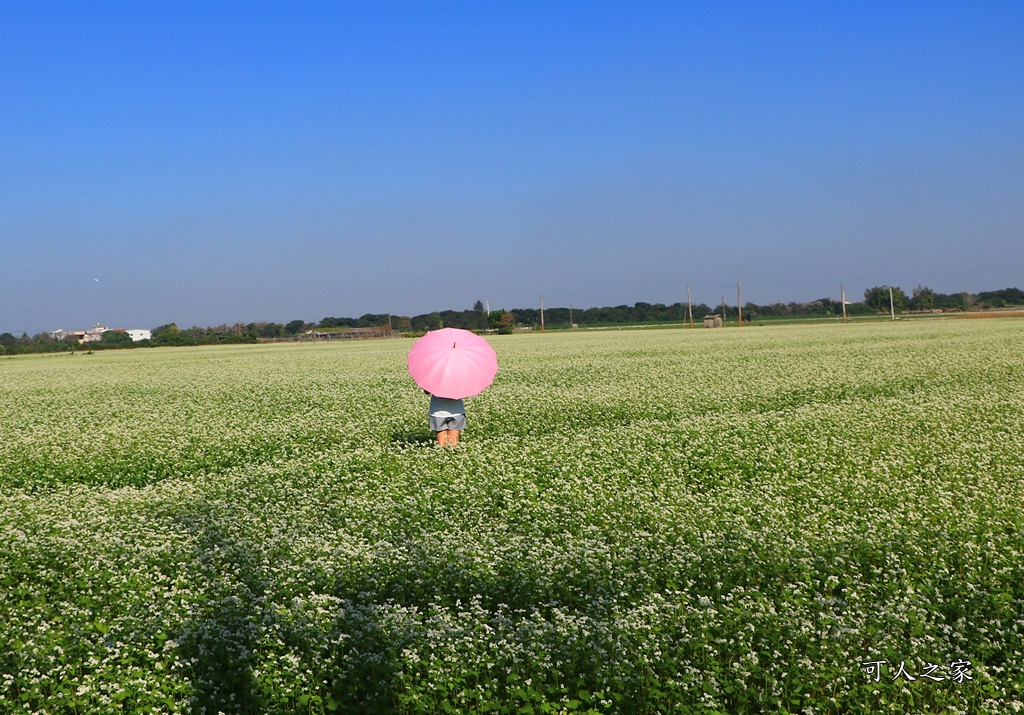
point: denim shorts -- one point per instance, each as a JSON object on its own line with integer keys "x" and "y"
{"x": 439, "y": 423}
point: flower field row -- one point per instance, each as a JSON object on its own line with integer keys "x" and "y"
{"x": 669, "y": 521}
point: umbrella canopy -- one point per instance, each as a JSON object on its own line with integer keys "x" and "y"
{"x": 452, "y": 363}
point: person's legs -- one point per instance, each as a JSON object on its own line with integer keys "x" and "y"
{"x": 448, "y": 438}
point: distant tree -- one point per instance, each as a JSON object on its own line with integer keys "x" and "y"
{"x": 465, "y": 319}
{"x": 171, "y": 334}
{"x": 675, "y": 312}
{"x": 922, "y": 298}
{"x": 266, "y": 330}
{"x": 372, "y": 320}
{"x": 249, "y": 336}
{"x": 478, "y": 307}
{"x": 502, "y": 321}
{"x": 164, "y": 330}
{"x": 430, "y": 321}
{"x": 44, "y": 343}
{"x": 337, "y": 323}
{"x": 1002, "y": 298}
{"x": 557, "y": 316}
{"x": 877, "y": 298}
{"x": 699, "y": 311}
{"x": 295, "y": 327}
{"x": 523, "y": 316}
{"x": 899, "y": 299}
{"x": 859, "y": 308}
{"x": 826, "y": 306}
{"x": 506, "y": 321}
{"x": 115, "y": 339}
{"x": 8, "y": 340}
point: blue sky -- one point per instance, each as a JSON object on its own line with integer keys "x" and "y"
{"x": 208, "y": 163}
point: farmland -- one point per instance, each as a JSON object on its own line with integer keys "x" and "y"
{"x": 687, "y": 521}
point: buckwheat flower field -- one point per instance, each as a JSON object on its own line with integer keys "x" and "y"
{"x": 817, "y": 519}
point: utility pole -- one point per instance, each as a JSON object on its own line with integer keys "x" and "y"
{"x": 570, "y": 313}
{"x": 842, "y": 297}
{"x": 723, "y": 310}
{"x": 689, "y": 304}
{"x": 542, "y": 312}
{"x": 739, "y": 301}
{"x": 892, "y": 306}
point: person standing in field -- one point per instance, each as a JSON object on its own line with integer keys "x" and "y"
{"x": 451, "y": 364}
{"x": 447, "y": 419}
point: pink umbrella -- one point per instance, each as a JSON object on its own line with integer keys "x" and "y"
{"x": 452, "y": 363}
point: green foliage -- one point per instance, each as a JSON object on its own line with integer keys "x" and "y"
{"x": 171, "y": 334}
{"x": 1002, "y": 298}
{"x": 923, "y": 298}
{"x": 338, "y": 323}
{"x": 432, "y": 321}
{"x": 266, "y": 330}
{"x": 876, "y": 300}
{"x": 622, "y": 530}
{"x": 885, "y": 298}
{"x": 115, "y": 338}
{"x": 502, "y": 321}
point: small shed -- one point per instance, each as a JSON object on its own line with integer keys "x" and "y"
{"x": 713, "y": 320}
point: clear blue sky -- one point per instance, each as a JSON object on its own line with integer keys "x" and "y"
{"x": 216, "y": 162}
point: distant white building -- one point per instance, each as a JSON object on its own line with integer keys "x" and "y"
{"x": 95, "y": 333}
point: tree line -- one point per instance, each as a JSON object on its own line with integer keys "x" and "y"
{"x": 876, "y": 300}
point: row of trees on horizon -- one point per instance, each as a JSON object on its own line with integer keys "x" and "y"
{"x": 876, "y": 300}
